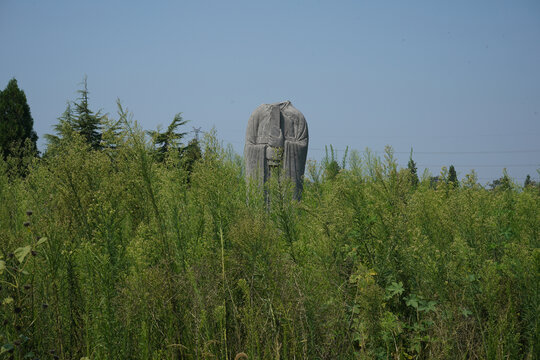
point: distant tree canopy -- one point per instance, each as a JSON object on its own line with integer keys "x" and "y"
{"x": 190, "y": 154}
{"x": 86, "y": 122}
{"x": 527, "y": 181}
{"x": 330, "y": 165}
{"x": 16, "y": 122}
{"x": 64, "y": 128}
{"x": 502, "y": 183}
{"x": 452, "y": 176}
{"x": 413, "y": 170}
{"x": 78, "y": 118}
{"x": 433, "y": 181}
{"x": 103, "y": 133}
{"x": 169, "y": 139}
{"x": 530, "y": 183}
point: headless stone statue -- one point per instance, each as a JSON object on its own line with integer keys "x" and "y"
{"x": 276, "y": 138}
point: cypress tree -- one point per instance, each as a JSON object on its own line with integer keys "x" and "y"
{"x": 452, "y": 176}
{"x": 527, "y": 181}
{"x": 16, "y": 122}
{"x": 413, "y": 170}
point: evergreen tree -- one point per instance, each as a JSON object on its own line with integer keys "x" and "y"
{"x": 527, "y": 181}
{"x": 16, "y": 122}
{"x": 452, "y": 176}
{"x": 111, "y": 133}
{"x": 78, "y": 118}
{"x": 190, "y": 154}
{"x": 64, "y": 129}
{"x": 433, "y": 181}
{"x": 85, "y": 121}
{"x": 413, "y": 170}
{"x": 330, "y": 165}
{"x": 503, "y": 183}
{"x": 530, "y": 182}
{"x": 170, "y": 139}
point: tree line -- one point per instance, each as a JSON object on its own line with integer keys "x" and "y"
{"x": 18, "y": 139}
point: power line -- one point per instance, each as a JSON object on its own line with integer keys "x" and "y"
{"x": 521, "y": 151}
{"x": 444, "y": 152}
{"x": 356, "y": 136}
{"x": 474, "y": 166}
{"x": 511, "y": 177}
{"x": 480, "y": 166}
{"x": 471, "y": 152}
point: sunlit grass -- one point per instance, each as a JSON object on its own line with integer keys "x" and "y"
{"x": 135, "y": 261}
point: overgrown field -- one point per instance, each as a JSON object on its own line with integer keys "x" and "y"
{"x": 109, "y": 254}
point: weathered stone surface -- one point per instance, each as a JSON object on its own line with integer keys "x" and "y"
{"x": 276, "y": 137}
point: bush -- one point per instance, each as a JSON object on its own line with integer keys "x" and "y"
{"x": 146, "y": 259}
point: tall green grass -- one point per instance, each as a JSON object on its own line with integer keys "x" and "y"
{"x": 123, "y": 257}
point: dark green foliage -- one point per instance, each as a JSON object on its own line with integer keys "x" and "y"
{"x": 330, "y": 164}
{"x": 190, "y": 154}
{"x": 140, "y": 264}
{"x": 331, "y": 170}
{"x": 167, "y": 146}
{"x": 78, "y": 119}
{"x": 16, "y": 123}
{"x": 433, "y": 181}
{"x": 503, "y": 183}
{"x": 528, "y": 181}
{"x": 169, "y": 139}
{"x": 411, "y": 165}
{"x": 64, "y": 129}
{"x": 452, "y": 176}
{"x": 85, "y": 122}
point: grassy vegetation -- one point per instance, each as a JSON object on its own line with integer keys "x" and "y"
{"x": 123, "y": 257}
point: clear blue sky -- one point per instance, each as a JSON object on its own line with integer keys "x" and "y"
{"x": 442, "y": 77}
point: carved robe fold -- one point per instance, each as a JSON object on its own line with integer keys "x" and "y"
{"x": 276, "y": 137}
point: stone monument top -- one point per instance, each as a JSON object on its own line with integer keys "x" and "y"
{"x": 276, "y": 137}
